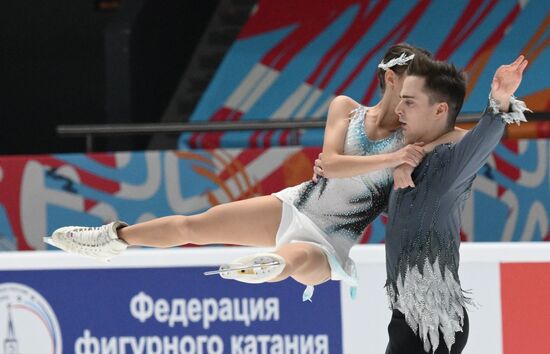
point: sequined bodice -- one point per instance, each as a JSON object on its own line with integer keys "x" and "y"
{"x": 343, "y": 207}
{"x": 358, "y": 143}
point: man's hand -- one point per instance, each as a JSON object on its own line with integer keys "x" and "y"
{"x": 402, "y": 176}
{"x": 506, "y": 81}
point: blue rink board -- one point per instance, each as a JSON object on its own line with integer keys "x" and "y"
{"x": 138, "y": 309}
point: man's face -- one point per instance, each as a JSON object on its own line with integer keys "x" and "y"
{"x": 416, "y": 114}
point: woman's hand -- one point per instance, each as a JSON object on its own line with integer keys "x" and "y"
{"x": 411, "y": 155}
{"x": 402, "y": 176}
{"x": 318, "y": 168}
{"x": 408, "y": 158}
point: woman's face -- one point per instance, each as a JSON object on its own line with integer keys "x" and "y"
{"x": 398, "y": 86}
{"x": 394, "y": 90}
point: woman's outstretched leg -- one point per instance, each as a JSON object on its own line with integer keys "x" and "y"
{"x": 251, "y": 222}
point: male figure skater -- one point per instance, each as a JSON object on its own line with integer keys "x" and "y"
{"x": 422, "y": 235}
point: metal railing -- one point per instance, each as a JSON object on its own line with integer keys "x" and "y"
{"x": 89, "y": 131}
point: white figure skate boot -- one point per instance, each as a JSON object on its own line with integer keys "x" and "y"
{"x": 101, "y": 242}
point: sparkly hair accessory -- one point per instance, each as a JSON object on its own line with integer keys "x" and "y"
{"x": 401, "y": 60}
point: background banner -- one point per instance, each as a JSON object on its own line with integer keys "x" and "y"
{"x": 510, "y": 199}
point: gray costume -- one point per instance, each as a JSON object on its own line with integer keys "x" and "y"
{"x": 423, "y": 231}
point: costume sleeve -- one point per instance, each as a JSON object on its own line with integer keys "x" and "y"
{"x": 470, "y": 153}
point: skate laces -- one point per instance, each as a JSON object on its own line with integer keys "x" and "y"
{"x": 89, "y": 238}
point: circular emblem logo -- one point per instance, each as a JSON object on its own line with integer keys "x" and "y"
{"x": 27, "y": 322}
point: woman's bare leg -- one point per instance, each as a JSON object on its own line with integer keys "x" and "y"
{"x": 306, "y": 263}
{"x": 251, "y": 222}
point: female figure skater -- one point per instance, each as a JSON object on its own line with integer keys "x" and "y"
{"x": 312, "y": 225}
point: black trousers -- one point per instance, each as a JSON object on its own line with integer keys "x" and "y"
{"x": 404, "y": 341}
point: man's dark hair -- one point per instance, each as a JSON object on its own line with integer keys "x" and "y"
{"x": 443, "y": 83}
{"x": 395, "y": 51}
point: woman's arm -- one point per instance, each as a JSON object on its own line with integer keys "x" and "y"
{"x": 451, "y": 137}
{"x": 332, "y": 163}
{"x": 402, "y": 173}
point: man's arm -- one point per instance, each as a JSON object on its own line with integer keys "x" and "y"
{"x": 469, "y": 155}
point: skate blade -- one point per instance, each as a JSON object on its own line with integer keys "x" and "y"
{"x": 51, "y": 241}
{"x": 236, "y": 269}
